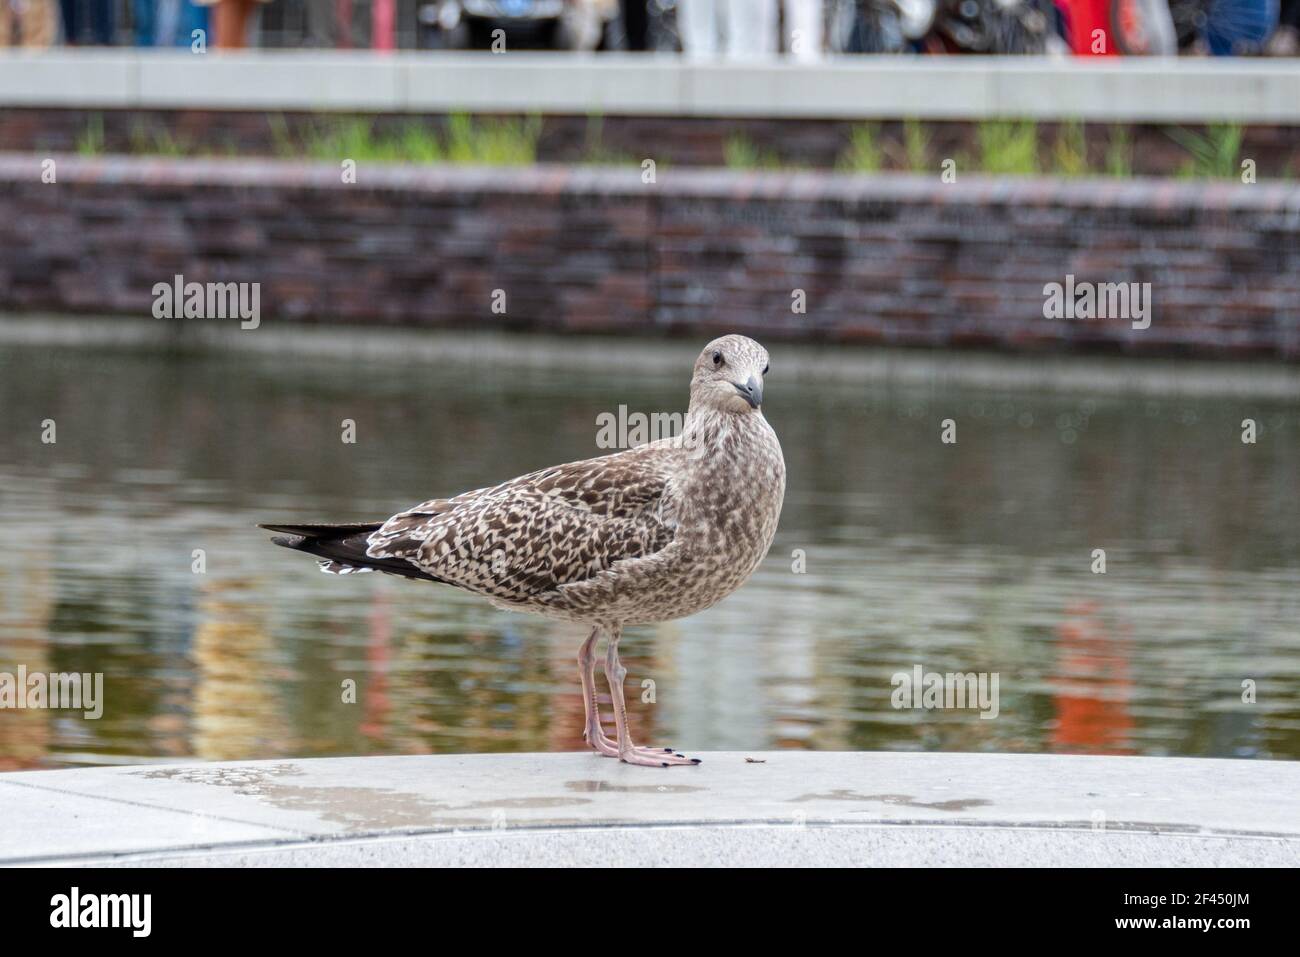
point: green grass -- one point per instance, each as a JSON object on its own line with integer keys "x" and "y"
{"x": 864, "y": 153}
{"x": 1070, "y": 151}
{"x": 1119, "y": 152}
{"x": 739, "y": 152}
{"x": 596, "y": 153}
{"x": 464, "y": 139}
{"x": 159, "y": 142}
{"x": 1007, "y": 147}
{"x": 1213, "y": 154}
{"x": 91, "y": 141}
{"x": 499, "y": 142}
{"x": 1001, "y": 147}
{"x": 281, "y": 140}
{"x": 916, "y": 145}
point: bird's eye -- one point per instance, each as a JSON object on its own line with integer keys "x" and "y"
{"x": 717, "y": 357}
{"x": 766, "y": 367}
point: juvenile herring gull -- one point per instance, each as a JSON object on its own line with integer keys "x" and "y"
{"x": 648, "y": 534}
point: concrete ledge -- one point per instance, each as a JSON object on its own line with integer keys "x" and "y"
{"x": 789, "y": 808}
{"x": 956, "y": 88}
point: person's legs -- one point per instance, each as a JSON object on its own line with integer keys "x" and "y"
{"x": 360, "y": 24}
{"x": 322, "y": 31}
{"x": 193, "y": 17}
{"x": 144, "y": 13}
{"x": 636, "y": 23}
{"x": 166, "y": 27}
{"x": 41, "y": 26}
{"x": 383, "y": 24}
{"x": 804, "y": 32}
{"x": 750, "y": 26}
{"x": 343, "y": 19}
{"x": 698, "y": 22}
{"x": 225, "y": 24}
{"x": 232, "y": 23}
{"x": 71, "y": 21}
{"x": 1285, "y": 40}
{"x": 102, "y": 21}
{"x": 253, "y": 24}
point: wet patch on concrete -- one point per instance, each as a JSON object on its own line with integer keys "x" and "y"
{"x": 897, "y": 800}
{"x": 520, "y": 803}
{"x": 355, "y": 808}
{"x": 242, "y": 780}
{"x": 594, "y": 786}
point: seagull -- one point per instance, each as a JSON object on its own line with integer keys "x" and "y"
{"x": 648, "y": 534}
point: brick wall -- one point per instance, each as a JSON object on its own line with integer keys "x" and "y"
{"x": 883, "y": 259}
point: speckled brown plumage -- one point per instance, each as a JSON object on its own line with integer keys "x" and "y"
{"x": 652, "y": 533}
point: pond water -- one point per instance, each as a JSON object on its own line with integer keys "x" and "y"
{"x": 895, "y": 551}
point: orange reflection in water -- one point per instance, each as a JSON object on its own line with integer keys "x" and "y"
{"x": 237, "y": 712}
{"x": 1094, "y": 682}
{"x": 28, "y": 594}
{"x": 376, "y": 706}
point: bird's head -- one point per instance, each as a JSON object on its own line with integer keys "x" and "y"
{"x": 729, "y": 375}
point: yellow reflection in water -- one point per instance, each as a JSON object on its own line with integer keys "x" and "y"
{"x": 237, "y": 707}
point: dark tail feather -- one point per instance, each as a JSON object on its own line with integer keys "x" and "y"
{"x": 324, "y": 531}
{"x": 344, "y": 544}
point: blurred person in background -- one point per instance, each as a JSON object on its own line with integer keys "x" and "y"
{"x": 383, "y": 24}
{"x": 338, "y": 24}
{"x": 1140, "y": 28}
{"x": 636, "y": 23}
{"x": 1088, "y": 25}
{"x": 232, "y": 22}
{"x": 1167, "y": 27}
{"x": 1238, "y": 27}
{"x": 531, "y": 24}
{"x": 352, "y": 24}
{"x": 99, "y": 23}
{"x": 736, "y": 28}
{"x": 322, "y": 20}
{"x": 144, "y": 22}
{"x": 805, "y": 37}
{"x": 176, "y": 21}
{"x": 28, "y": 23}
{"x": 1286, "y": 38}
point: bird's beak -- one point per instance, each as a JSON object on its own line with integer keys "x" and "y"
{"x": 752, "y": 391}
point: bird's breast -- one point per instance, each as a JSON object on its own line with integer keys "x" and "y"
{"x": 731, "y": 500}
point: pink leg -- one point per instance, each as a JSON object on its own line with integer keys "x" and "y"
{"x": 627, "y": 751}
{"x": 592, "y": 730}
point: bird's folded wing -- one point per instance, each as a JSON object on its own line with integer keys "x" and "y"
{"x": 529, "y": 536}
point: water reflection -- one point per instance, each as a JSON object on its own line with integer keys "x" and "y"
{"x": 967, "y": 557}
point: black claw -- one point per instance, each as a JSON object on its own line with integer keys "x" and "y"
{"x": 695, "y": 760}
{"x": 664, "y": 765}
